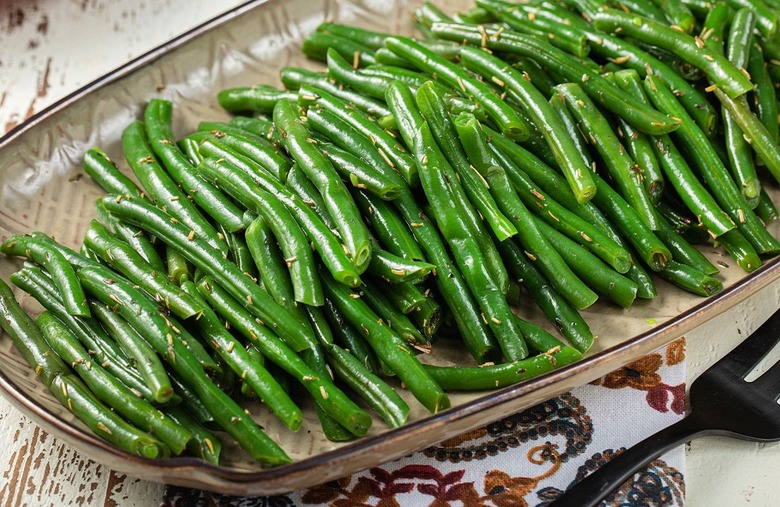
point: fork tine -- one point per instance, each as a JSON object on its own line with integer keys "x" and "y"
{"x": 768, "y": 384}
{"x": 745, "y": 356}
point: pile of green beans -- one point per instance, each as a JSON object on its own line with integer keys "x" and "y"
{"x": 315, "y": 247}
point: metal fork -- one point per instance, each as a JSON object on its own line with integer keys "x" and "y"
{"x": 721, "y": 403}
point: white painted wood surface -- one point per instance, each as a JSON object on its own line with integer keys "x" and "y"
{"x": 50, "y": 48}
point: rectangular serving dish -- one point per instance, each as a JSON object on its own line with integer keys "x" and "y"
{"x": 42, "y": 189}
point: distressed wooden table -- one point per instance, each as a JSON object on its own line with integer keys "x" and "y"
{"x": 50, "y": 48}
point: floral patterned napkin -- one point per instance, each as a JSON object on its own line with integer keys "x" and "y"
{"x": 528, "y": 458}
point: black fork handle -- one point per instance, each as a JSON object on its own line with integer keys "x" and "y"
{"x": 598, "y": 485}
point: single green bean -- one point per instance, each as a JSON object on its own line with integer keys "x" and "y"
{"x": 691, "y": 279}
{"x": 740, "y": 155}
{"x": 495, "y": 376}
{"x": 158, "y": 121}
{"x": 61, "y": 271}
{"x": 722, "y": 73}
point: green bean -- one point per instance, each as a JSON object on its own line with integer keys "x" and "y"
{"x": 395, "y": 269}
{"x": 722, "y": 73}
{"x": 293, "y": 78}
{"x": 301, "y": 186}
{"x": 449, "y": 280}
{"x": 349, "y": 339}
{"x": 714, "y": 25}
{"x": 691, "y": 279}
{"x": 626, "y": 175}
{"x": 568, "y": 222}
{"x": 236, "y": 357}
{"x": 130, "y": 264}
{"x": 335, "y": 195}
{"x": 143, "y": 314}
{"x": 682, "y": 251}
{"x": 139, "y": 240}
{"x": 73, "y": 394}
{"x": 349, "y": 138}
{"x": 353, "y": 169}
{"x": 522, "y": 21}
{"x": 507, "y": 120}
{"x": 108, "y": 389}
{"x": 246, "y": 182}
{"x": 316, "y": 45}
{"x": 740, "y": 155}
{"x": 433, "y": 167}
{"x": 428, "y": 13}
{"x": 161, "y": 188}
{"x": 599, "y": 89}
{"x": 295, "y": 249}
{"x": 766, "y": 209}
{"x": 203, "y": 443}
{"x": 678, "y": 14}
{"x": 766, "y": 16}
{"x": 590, "y": 269}
{"x": 393, "y": 152}
{"x": 99, "y": 166}
{"x": 495, "y": 376}
{"x": 322, "y": 390}
{"x": 63, "y": 274}
{"x": 539, "y": 249}
{"x": 712, "y": 169}
{"x": 35, "y": 282}
{"x": 412, "y": 78}
{"x": 740, "y": 249}
{"x": 388, "y": 346}
{"x": 248, "y": 144}
{"x": 566, "y": 319}
{"x": 259, "y": 127}
{"x": 468, "y": 189}
{"x": 158, "y": 121}
{"x": 372, "y": 389}
{"x": 269, "y": 261}
{"x": 144, "y": 357}
{"x": 639, "y": 144}
{"x": 630, "y": 56}
{"x": 754, "y": 131}
{"x": 256, "y": 98}
{"x": 390, "y": 229}
{"x": 393, "y": 318}
{"x": 539, "y": 110}
{"x": 369, "y": 38}
{"x": 210, "y": 261}
{"x": 764, "y": 95}
{"x": 690, "y": 189}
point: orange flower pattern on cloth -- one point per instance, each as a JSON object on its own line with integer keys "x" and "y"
{"x": 525, "y": 459}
